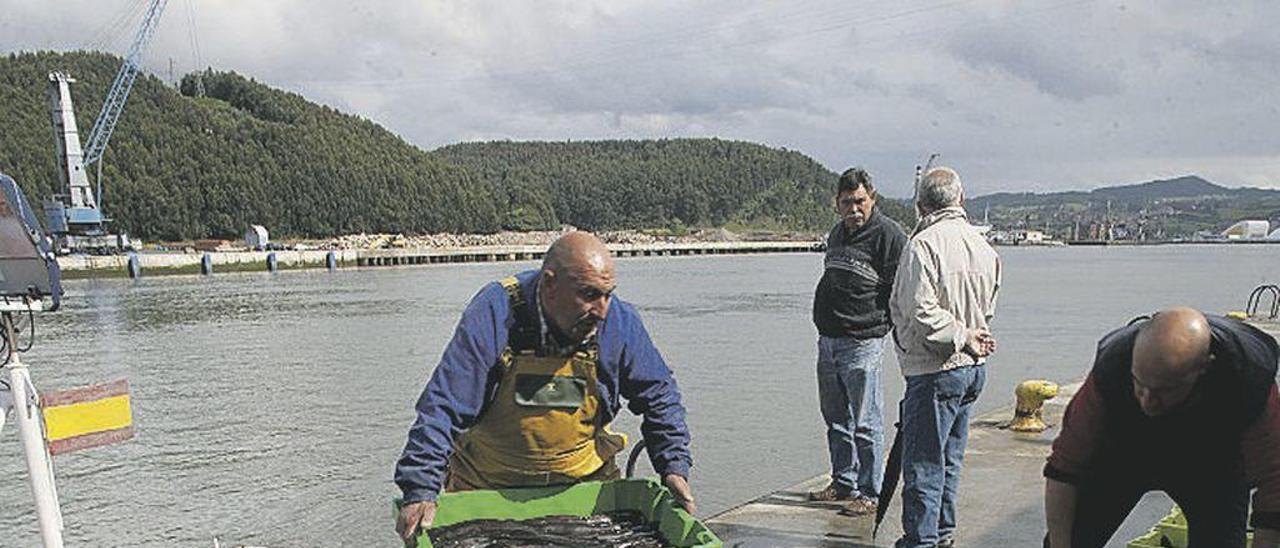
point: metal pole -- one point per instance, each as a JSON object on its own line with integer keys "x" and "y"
{"x": 26, "y": 414}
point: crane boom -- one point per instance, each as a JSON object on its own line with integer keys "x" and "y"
{"x": 75, "y": 219}
{"x": 114, "y": 105}
{"x": 71, "y": 158}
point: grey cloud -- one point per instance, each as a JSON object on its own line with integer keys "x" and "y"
{"x": 1069, "y": 92}
{"x": 626, "y": 71}
{"x": 1257, "y": 52}
{"x": 637, "y": 89}
{"x": 1059, "y": 69}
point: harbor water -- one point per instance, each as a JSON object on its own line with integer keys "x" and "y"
{"x": 270, "y": 408}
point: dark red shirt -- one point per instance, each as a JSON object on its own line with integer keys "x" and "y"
{"x": 1231, "y": 425}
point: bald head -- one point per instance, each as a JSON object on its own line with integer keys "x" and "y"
{"x": 1173, "y": 344}
{"x": 577, "y": 251}
{"x": 1170, "y": 353}
{"x": 576, "y": 284}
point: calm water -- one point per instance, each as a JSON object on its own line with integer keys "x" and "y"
{"x": 270, "y": 408}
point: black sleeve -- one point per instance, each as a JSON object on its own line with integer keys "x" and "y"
{"x": 895, "y": 240}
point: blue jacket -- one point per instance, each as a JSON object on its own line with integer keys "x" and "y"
{"x": 630, "y": 367}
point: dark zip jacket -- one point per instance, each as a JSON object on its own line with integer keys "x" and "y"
{"x": 852, "y": 299}
{"x": 1228, "y": 430}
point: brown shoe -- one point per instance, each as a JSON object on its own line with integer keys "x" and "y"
{"x": 861, "y": 506}
{"x": 831, "y": 493}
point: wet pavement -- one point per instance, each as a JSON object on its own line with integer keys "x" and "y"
{"x": 1001, "y": 495}
{"x": 1001, "y": 498}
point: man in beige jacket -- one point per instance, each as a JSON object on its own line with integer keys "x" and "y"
{"x": 944, "y": 296}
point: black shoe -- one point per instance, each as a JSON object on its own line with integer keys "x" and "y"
{"x": 831, "y": 493}
{"x": 861, "y": 506}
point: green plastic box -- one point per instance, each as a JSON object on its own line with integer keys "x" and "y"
{"x": 1149, "y": 540}
{"x": 1170, "y": 532}
{"x": 646, "y": 496}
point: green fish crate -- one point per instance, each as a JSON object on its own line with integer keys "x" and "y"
{"x": 1170, "y": 532}
{"x": 645, "y": 496}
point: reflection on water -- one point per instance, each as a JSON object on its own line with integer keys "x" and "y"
{"x": 270, "y": 408}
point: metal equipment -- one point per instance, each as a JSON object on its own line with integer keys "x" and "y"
{"x": 75, "y": 219}
{"x": 28, "y": 275}
{"x": 28, "y": 270}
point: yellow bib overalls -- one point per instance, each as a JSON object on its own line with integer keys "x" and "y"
{"x": 543, "y": 426}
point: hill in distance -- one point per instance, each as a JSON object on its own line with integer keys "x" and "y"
{"x": 184, "y": 167}
{"x": 653, "y": 183}
{"x": 181, "y": 167}
{"x": 1171, "y": 208}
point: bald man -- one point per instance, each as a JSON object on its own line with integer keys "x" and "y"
{"x": 537, "y": 369}
{"x": 1182, "y": 403}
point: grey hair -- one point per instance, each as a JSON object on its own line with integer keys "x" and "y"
{"x": 939, "y": 187}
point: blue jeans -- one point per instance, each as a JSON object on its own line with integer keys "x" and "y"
{"x": 935, "y": 425}
{"x": 850, "y": 396}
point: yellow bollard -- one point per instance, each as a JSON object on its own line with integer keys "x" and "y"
{"x": 1027, "y": 416}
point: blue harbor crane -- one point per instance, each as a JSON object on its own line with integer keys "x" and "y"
{"x": 75, "y": 218}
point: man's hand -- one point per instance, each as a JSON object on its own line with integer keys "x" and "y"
{"x": 680, "y": 488}
{"x": 414, "y": 517}
{"x": 1266, "y": 538}
{"x": 979, "y": 343}
{"x": 987, "y": 341}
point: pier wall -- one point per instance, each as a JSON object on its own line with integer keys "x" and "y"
{"x": 395, "y": 257}
{"x": 240, "y": 261}
{"x": 74, "y": 266}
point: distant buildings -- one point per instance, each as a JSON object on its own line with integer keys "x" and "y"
{"x": 1031, "y": 237}
{"x": 1248, "y": 230}
{"x": 1160, "y": 222}
{"x": 1021, "y": 237}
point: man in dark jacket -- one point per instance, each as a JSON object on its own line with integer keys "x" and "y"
{"x": 850, "y": 309}
{"x": 1183, "y": 403}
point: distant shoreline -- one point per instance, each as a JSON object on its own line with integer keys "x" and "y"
{"x": 153, "y": 263}
{"x": 452, "y": 240}
{"x": 364, "y": 251}
{"x": 1086, "y": 243}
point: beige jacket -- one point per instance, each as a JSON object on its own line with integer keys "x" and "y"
{"x": 945, "y": 286}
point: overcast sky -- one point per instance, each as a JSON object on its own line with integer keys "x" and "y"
{"x": 1017, "y": 95}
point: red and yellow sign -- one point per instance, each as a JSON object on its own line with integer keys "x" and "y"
{"x": 90, "y": 416}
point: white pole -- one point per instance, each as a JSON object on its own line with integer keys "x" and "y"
{"x": 26, "y": 414}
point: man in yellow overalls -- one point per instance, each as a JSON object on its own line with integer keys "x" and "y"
{"x": 536, "y": 371}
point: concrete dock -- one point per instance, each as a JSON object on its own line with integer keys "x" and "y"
{"x": 189, "y": 263}
{"x": 240, "y": 261}
{"x": 396, "y": 257}
{"x": 1001, "y": 498}
{"x": 1270, "y": 325}
{"x": 1001, "y": 494}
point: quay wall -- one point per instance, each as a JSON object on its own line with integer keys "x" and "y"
{"x": 78, "y": 266}
{"x": 395, "y": 257}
